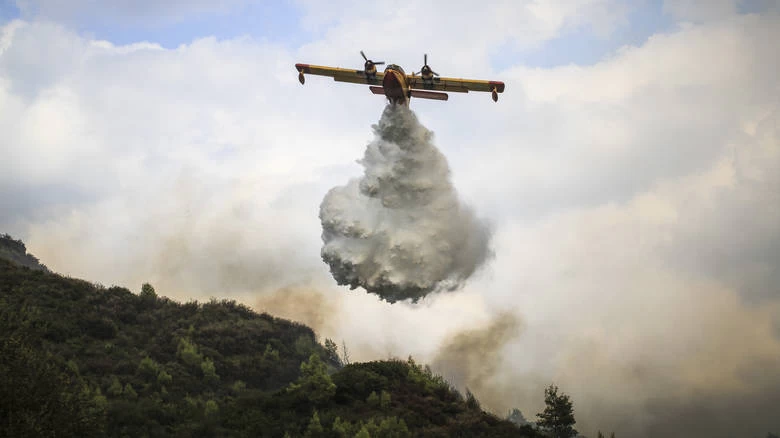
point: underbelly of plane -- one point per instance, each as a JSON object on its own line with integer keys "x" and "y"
{"x": 394, "y": 87}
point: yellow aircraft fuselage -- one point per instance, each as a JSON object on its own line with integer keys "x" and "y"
{"x": 396, "y": 88}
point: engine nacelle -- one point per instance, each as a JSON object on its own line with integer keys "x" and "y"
{"x": 494, "y": 92}
{"x": 301, "y": 79}
{"x": 426, "y": 71}
{"x": 370, "y": 69}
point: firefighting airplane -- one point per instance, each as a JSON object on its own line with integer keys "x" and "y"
{"x": 397, "y": 85}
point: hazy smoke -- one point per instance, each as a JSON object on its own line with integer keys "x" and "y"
{"x": 473, "y": 359}
{"x": 400, "y": 231}
{"x": 304, "y": 304}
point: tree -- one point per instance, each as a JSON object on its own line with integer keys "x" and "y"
{"x": 211, "y": 408}
{"x": 392, "y": 427}
{"x": 163, "y": 378}
{"x": 304, "y": 345}
{"x": 314, "y": 382}
{"x": 209, "y": 370}
{"x": 600, "y": 435}
{"x": 315, "y": 429}
{"x": 471, "y": 401}
{"x": 40, "y": 398}
{"x": 344, "y": 353}
{"x": 148, "y": 294}
{"x": 363, "y": 433}
{"x": 516, "y": 416}
{"x": 238, "y": 386}
{"x": 270, "y": 353}
{"x": 340, "y": 428}
{"x": 332, "y": 350}
{"x": 373, "y": 399}
{"x": 115, "y": 389}
{"x": 148, "y": 367}
{"x": 129, "y": 392}
{"x": 558, "y": 415}
{"x": 188, "y": 352}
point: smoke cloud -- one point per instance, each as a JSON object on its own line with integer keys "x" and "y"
{"x": 304, "y": 304}
{"x": 473, "y": 358}
{"x": 400, "y": 230}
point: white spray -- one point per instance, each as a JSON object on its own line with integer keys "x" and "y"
{"x": 400, "y": 230}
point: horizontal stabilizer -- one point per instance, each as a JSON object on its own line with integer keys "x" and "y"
{"x": 430, "y": 95}
{"x": 377, "y": 90}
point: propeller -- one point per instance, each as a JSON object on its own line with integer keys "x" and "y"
{"x": 426, "y": 69}
{"x": 369, "y": 62}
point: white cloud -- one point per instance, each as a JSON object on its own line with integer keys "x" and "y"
{"x": 127, "y": 124}
{"x": 590, "y": 135}
{"x": 458, "y": 36}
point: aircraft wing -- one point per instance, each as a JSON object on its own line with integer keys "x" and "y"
{"x": 454, "y": 84}
{"x": 341, "y": 74}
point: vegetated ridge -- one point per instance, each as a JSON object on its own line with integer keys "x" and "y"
{"x": 81, "y": 359}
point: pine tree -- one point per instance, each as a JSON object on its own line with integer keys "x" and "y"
{"x": 471, "y": 401}
{"x": 148, "y": 367}
{"x": 115, "y": 389}
{"x": 209, "y": 370}
{"x": 148, "y": 291}
{"x": 558, "y": 415}
{"x": 188, "y": 352}
{"x": 516, "y": 416}
{"x": 211, "y": 408}
{"x": 315, "y": 429}
{"x": 129, "y": 392}
{"x": 340, "y": 428}
{"x": 384, "y": 399}
{"x": 344, "y": 354}
{"x": 363, "y": 433}
{"x": 392, "y": 427}
{"x": 332, "y": 351}
{"x": 314, "y": 381}
{"x": 163, "y": 378}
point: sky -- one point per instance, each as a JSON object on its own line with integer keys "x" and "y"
{"x": 629, "y": 174}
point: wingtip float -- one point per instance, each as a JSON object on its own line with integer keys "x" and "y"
{"x": 398, "y": 86}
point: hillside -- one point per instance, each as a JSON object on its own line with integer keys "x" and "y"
{"x": 16, "y": 251}
{"x": 84, "y": 360}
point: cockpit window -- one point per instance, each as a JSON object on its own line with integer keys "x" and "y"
{"x": 395, "y": 67}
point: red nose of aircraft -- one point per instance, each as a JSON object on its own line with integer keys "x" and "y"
{"x": 393, "y": 86}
